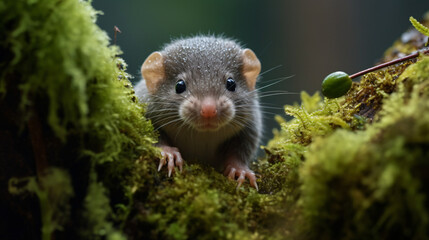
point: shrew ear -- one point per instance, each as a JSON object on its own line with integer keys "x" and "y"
{"x": 251, "y": 67}
{"x": 153, "y": 71}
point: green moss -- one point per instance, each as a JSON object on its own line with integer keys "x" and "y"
{"x": 371, "y": 186}
{"x": 97, "y": 214}
{"x": 419, "y": 27}
{"x": 53, "y": 191}
{"x": 68, "y": 62}
{"x": 364, "y": 181}
{"x": 410, "y": 41}
{"x": 366, "y": 97}
{"x": 192, "y": 203}
{"x": 57, "y": 67}
{"x": 347, "y": 168}
{"x": 312, "y": 119}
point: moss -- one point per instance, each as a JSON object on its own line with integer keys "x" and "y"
{"x": 365, "y": 98}
{"x": 201, "y": 203}
{"x": 64, "y": 88}
{"x": 54, "y": 191}
{"x": 97, "y": 214}
{"x": 419, "y": 27}
{"x": 312, "y": 119}
{"x": 68, "y": 61}
{"x": 364, "y": 181}
{"x": 410, "y": 41}
{"x": 192, "y": 203}
{"x": 373, "y": 186}
{"x": 347, "y": 168}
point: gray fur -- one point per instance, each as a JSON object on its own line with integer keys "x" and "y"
{"x": 204, "y": 63}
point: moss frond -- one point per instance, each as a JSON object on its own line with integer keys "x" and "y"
{"x": 312, "y": 119}
{"x": 420, "y": 27}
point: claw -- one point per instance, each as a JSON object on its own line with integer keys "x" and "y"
{"x": 252, "y": 179}
{"x": 240, "y": 179}
{"x": 255, "y": 185}
{"x": 241, "y": 171}
{"x": 231, "y": 174}
{"x": 179, "y": 161}
{"x": 170, "y": 164}
{"x": 162, "y": 161}
{"x": 171, "y": 157}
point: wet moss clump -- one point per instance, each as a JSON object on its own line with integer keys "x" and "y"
{"x": 67, "y": 115}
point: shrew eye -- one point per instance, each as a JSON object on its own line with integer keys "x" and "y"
{"x": 230, "y": 84}
{"x": 180, "y": 86}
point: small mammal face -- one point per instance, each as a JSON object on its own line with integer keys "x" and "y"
{"x": 209, "y": 82}
{"x": 201, "y": 96}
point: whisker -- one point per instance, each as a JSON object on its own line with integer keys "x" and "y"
{"x": 166, "y": 110}
{"x": 275, "y": 94}
{"x": 276, "y": 91}
{"x": 170, "y": 122}
{"x": 277, "y": 80}
{"x": 162, "y": 119}
{"x": 271, "y": 69}
{"x": 163, "y": 115}
{"x": 180, "y": 129}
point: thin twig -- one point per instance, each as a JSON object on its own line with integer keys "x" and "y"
{"x": 408, "y": 57}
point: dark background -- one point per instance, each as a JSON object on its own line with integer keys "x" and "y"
{"x": 304, "y": 38}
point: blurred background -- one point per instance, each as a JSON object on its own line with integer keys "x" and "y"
{"x": 305, "y": 39}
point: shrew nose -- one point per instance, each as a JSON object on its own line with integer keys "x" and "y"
{"x": 208, "y": 107}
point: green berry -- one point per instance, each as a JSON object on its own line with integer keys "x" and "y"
{"x": 336, "y": 84}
